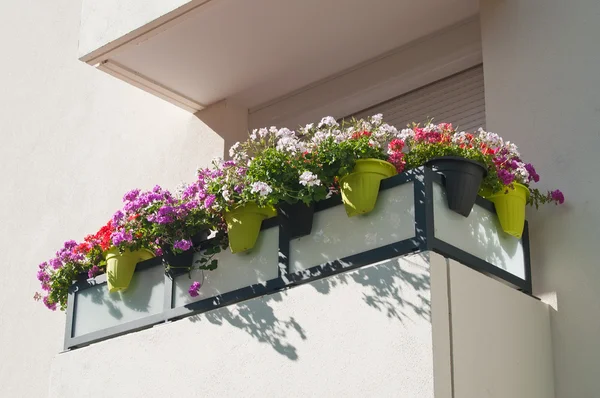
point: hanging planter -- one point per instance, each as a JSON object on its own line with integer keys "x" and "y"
{"x": 121, "y": 266}
{"x": 185, "y": 259}
{"x": 510, "y": 207}
{"x": 243, "y": 225}
{"x": 296, "y": 219}
{"x": 361, "y": 187}
{"x": 462, "y": 180}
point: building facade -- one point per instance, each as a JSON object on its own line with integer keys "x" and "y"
{"x": 77, "y": 133}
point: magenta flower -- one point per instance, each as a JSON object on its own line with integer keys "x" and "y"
{"x": 505, "y": 177}
{"x": 532, "y": 173}
{"x": 210, "y": 199}
{"x": 48, "y": 304}
{"x": 557, "y": 196}
{"x": 92, "y": 272}
{"x": 182, "y": 245}
{"x": 194, "y": 287}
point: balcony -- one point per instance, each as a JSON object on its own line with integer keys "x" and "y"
{"x": 196, "y": 53}
{"x": 411, "y": 217}
{"x": 441, "y": 301}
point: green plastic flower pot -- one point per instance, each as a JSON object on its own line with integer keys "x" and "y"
{"x": 243, "y": 225}
{"x": 361, "y": 187}
{"x": 121, "y": 266}
{"x": 510, "y": 207}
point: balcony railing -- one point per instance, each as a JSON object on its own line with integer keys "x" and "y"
{"x": 411, "y": 216}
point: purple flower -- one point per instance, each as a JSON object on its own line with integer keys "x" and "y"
{"x": 532, "y": 174}
{"x": 117, "y": 217}
{"x": 119, "y": 237}
{"x": 158, "y": 252}
{"x": 92, "y": 272}
{"x": 208, "y": 202}
{"x": 238, "y": 188}
{"x": 558, "y": 197}
{"x": 42, "y": 276}
{"x": 47, "y": 303}
{"x": 131, "y": 195}
{"x": 55, "y": 263}
{"x": 505, "y": 177}
{"x": 193, "y": 290}
{"x": 70, "y": 244}
{"x": 182, "y": 245}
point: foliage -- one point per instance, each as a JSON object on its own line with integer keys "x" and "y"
{"x": 272, "y": 166}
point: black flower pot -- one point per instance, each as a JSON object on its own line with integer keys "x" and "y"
{"x": 177, "y": 261}
{"x": 185, "y": 259}
{"x": 200, "y": 237}
{"x": 296, "y": 219}
{"x": 462, "y": 180}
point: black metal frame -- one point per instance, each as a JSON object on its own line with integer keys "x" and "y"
{"x": 423, "y": 240}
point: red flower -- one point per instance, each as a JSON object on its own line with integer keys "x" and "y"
{"x": 396, "y": 145}
{"x": 103, "y": 236}
{"x": 83, "y": 248}
{"x": 361, "y": 134}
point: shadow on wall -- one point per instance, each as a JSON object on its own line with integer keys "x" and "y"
{"x": 398, "y": 288}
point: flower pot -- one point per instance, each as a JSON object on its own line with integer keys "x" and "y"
{"x": 121, "y": 266}
{"x": 462, "y": 181}
{"x": 510, "y": 207}
{"x": 296, "y": 219}
{"x": 180, "y": 260}
{"x": 361, "y": 187}
{"x": 243, "y": 225}
{"x": 200, "y": 237}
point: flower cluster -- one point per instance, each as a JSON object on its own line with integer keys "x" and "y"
{"x": 501, "y": 158}
{"x": 272, "y": 166}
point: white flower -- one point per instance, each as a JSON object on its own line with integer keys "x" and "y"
{"x": 320, "y": 136}
{"x": 309, "y": 179}
{"x": 430, "y": 127}
{"x": 389, "y": 130}
{"x": 287, "y": 144}
{"x": 512, "y": 149}
{"x": 234, "y": 148}
{"x": 330, "y": 193}
{"x": 181, "y": 188}
{"x": 263, "y": 132}
{"x": 253, "y": 135}
{"x": 217, "y": 161}
{"x": 262, "y": 188}
{"x": 226, "y": 194}
{"x": 492, "y": 140}
{"x": 377, "y": 119}
{"x": 374, "y": 144}
{"x": 406, "y": 134}
{"x": 327, "y": 121}
{"x": 459, "y": 137}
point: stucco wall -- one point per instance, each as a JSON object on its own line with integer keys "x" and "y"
{"x": 501, "y": 344}
{"x": 103, "y": 22}
{"x": 365, "y": 333}
{"x": 72, "y": 141}
{"x": 541, "y": 63}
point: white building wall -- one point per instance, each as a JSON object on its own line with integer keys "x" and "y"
{"x": 501, "y": 343}
{"x": 72, "y": 141}
{"x": 365, "y": 333}
{"x": 110, "y": 22}
{"x": 541, "y": 63}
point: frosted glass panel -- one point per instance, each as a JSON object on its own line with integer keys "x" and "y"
{"x": 234, "y": 271}
{"x": 479, "y": 234}
{"x": 335, "y": 235}
{"x": 96, "y": 308}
